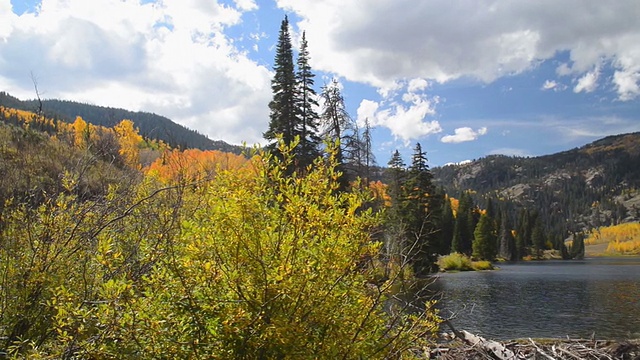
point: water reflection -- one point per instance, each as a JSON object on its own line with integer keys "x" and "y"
{"x": 546, "y": 299}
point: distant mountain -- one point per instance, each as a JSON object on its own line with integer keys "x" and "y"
{"x": 151, "y": 125}
{"x": 595, "y": 185}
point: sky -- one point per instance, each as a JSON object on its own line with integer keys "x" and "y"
{"x": 465, "y": 79}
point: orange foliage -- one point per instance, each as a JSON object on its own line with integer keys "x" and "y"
{"x": 455, "y": 203}
{"x": 192, "y": 165}
{"x": 379, "y": 190}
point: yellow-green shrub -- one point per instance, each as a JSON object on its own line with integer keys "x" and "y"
{"x": 455, "y": 261}
{"x": 253, "y": 264}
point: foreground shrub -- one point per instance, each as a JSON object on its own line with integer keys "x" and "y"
{"x": 253, "y": 265}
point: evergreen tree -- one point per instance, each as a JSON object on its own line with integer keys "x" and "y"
{"x": 420, "y": 212}
{"x": 283, "y": 106}
{"x": 577, "y": 249}
{"x": 396, "y": 178}
{"x": 538, "y": 238}
{"x": 507, "y": 249}
{"x": 523, "y": 239}
{"x": 306, "y": 103}
{"x": 484, "y": 240}
{"x": 447, "y": 223}
{"x": 463, "y": 229}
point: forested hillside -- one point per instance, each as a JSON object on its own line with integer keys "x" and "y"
{"x": 151, "y": 125}
{"x": 572, "y": 191}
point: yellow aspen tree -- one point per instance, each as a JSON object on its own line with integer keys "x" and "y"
{"x": 129, "y": 141}
{"x": 80, "y": 128}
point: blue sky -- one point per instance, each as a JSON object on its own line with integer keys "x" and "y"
{"x": 464, "y": 78}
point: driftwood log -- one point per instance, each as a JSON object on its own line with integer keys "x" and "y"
{"x": 465, "y": 345}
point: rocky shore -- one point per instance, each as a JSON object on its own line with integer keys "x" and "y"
{"x": 464, "y": 345}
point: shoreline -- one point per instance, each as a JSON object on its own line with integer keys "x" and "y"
{"x": 464, "y": 345}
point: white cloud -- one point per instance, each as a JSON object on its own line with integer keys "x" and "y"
{"x": 417, "y": 84}
{"x": 404, "y": 115}
{"x": 442, "y": 39}
{"x": 563, "y": 69}
{"x": 246, "y": 5}
{"x": 627, "y": 83}
{"x": 627, "y": 78}
{"x": 464, "y": 134}
{"x": 171, "y": 57}
{"x": 588, "y": 82}
{"x": 7, "y": 18}
{"x": 553, "y": 85}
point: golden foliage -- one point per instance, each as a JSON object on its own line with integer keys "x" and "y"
{"x": 192, "y": 165}
{"x": 622, "y": 238}
{"x": 455, "y": 204}
{"x": 130, "y": 142}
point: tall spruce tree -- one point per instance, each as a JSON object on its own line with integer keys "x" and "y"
{"x": 507, "y": 249}
{"x": 538, "y": 238}
{"x": 396, "y": 177}
{"x": 464, "y": 226}
{"x": 447, "y": 223}
{"x": 420, "y": 212}
{"x": 306, "y": 103}
{"x": 283, "y": 107}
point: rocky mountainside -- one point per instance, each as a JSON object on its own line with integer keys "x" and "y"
{"x": 594, "y": 185}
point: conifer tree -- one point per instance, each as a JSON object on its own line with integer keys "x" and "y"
{"x": 420, "y": 211}
{"x": 447, "y": 223}
{"x": 483, "y": 242}
{"x": 577, "y": 248}
{"x": 396, "y": 179}
{"x": 307, "y": 127}
{"x": 507, "y": 249}
{"x": 538, "y": 238}
{"x": 283, "y": 106}
{"x": 464, "y": 226}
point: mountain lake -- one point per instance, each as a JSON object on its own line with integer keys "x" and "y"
{"x": 546, "y": 299}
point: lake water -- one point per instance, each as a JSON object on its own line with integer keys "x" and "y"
{"x": 546, "y": 299}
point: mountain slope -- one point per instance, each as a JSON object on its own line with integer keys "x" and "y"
{"x": 597, "y": 184}
{"x": 151, "y": 125}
